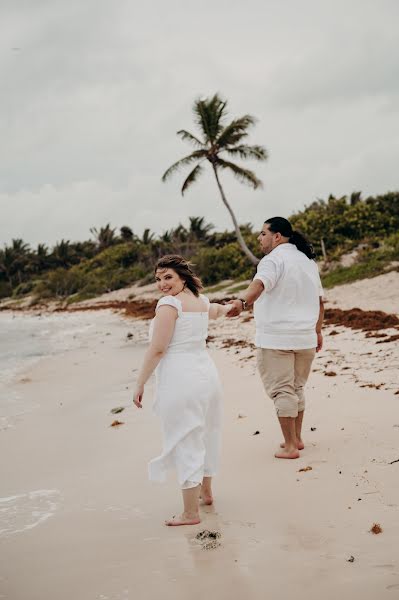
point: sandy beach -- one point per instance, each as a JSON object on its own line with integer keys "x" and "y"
{"x": 79, "y": 519}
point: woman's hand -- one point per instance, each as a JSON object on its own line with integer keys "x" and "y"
{"x": 319, "y": 342}
{"x": 138, "y": 396}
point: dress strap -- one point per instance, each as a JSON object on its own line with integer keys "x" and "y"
{"x": 170, "y": 301}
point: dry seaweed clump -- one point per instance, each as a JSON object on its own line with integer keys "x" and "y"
{"x": 209, "y": 539}
{"x": 231, "y": 342}
{"x": 365, "y": 320}
{"x": 376, "y": 528}
{"x": 140, "y": 309}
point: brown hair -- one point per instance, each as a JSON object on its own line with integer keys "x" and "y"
{"x": 183, "y": 268}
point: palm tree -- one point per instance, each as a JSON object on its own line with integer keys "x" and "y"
{"x": 166, "y": 236}
{"x": 127, "y": 234}
{"x": 148, "y": 237}
{"x": 105, "y": 236}
{"x": 180, "y": 234}
{"x": 218, "y": 140}
{"x": 40, "y": 259}
{"x": 199, "y": 230}
{"x": 63, "y": 254}
{"x": 14, "y": 260}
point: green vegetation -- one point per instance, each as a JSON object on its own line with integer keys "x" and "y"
{"x": 238, "y": 288}
{"x": 110, "y": 261}
{"x": 370, "y": 262}
{"x": 82, "y": 270}
{"x": 343, "y": 223}
{"x": 215, "y": 288}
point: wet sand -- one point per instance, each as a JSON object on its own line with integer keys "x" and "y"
{"x": 83, "y": 522}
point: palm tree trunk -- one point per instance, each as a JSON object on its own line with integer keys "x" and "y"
{"x": 240, "y": 239}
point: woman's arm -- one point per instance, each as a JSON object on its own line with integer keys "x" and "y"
{"x": 319, "y": 325}
{"x": 218, "y": 310}
{"x": 164, "y": 326}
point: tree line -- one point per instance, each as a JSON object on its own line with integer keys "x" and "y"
{"x": 116, "y": 258}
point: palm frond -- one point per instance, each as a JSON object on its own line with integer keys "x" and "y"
{"x": 189, "y": 137}
{"x": 182, "y": 162}
{"x": 243, "y": 175}
{"x": 234, "y": 138}
{"x": 235, "y": 131}
{"x": 209, "y": 116}
{"x": 193, "y": 176}
{"x": 248, "y": 152}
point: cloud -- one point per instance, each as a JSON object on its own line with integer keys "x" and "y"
{"x": 91, "y": 103}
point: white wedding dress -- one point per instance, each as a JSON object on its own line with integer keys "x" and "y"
{"x": 188, "y": 401}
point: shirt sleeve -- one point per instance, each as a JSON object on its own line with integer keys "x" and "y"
{"x": 268, "y": 272}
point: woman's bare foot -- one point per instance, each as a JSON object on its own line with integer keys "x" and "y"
{"x": 300, "y": 445}
{"x": 294, "y": 453}
{"x": 184, "y": 519}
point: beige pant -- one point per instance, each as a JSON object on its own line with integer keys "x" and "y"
{"x": 284, "y": 374}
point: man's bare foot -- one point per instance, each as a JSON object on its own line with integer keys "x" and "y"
{"x": 206, "y": 496}
{"x": 288, "y": 454}
{"x": 300, "y": 445}
{"x": 184, "y": 519}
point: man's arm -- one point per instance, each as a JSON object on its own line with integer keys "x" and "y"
{"x": 319, "y": 325}
{"x": 251, "y": 294}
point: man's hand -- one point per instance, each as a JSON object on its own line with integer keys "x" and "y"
{"x": 236, "y": 308}
{"x": 319, "y": 341}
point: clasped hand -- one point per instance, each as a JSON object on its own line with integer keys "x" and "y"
{"x": 236, "y": 308}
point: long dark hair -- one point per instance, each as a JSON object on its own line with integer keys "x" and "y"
{"x": 182, "y": 267}
{"x": 283, "y": 226}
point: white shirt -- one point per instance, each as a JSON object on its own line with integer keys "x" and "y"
{"x": 287, "y": 311}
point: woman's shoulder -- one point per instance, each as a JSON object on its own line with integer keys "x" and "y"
{"x": 169, "y": 301}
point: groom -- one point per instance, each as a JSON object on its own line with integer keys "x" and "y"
{"x": 288, "y": 309}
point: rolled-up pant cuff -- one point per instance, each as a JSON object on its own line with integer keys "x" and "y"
{"x": 190, "y": 484}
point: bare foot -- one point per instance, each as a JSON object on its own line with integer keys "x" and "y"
{"x": 184, "y": 519}
{"x": 287, "y": 454}
{"x": 300, "y": 445}
{"x": 206, "y": 497}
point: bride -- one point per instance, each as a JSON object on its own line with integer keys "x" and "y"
{"x": 188, "y": 391}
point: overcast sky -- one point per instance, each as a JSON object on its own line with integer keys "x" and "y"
{"x": 93, "y": 92}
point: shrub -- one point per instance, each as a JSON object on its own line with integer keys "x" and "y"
{"x": 26, "y": 287}
{"x": 5, "y": 289}
{"x": 60, "y": 283}
{"x": 215, "y": 264}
